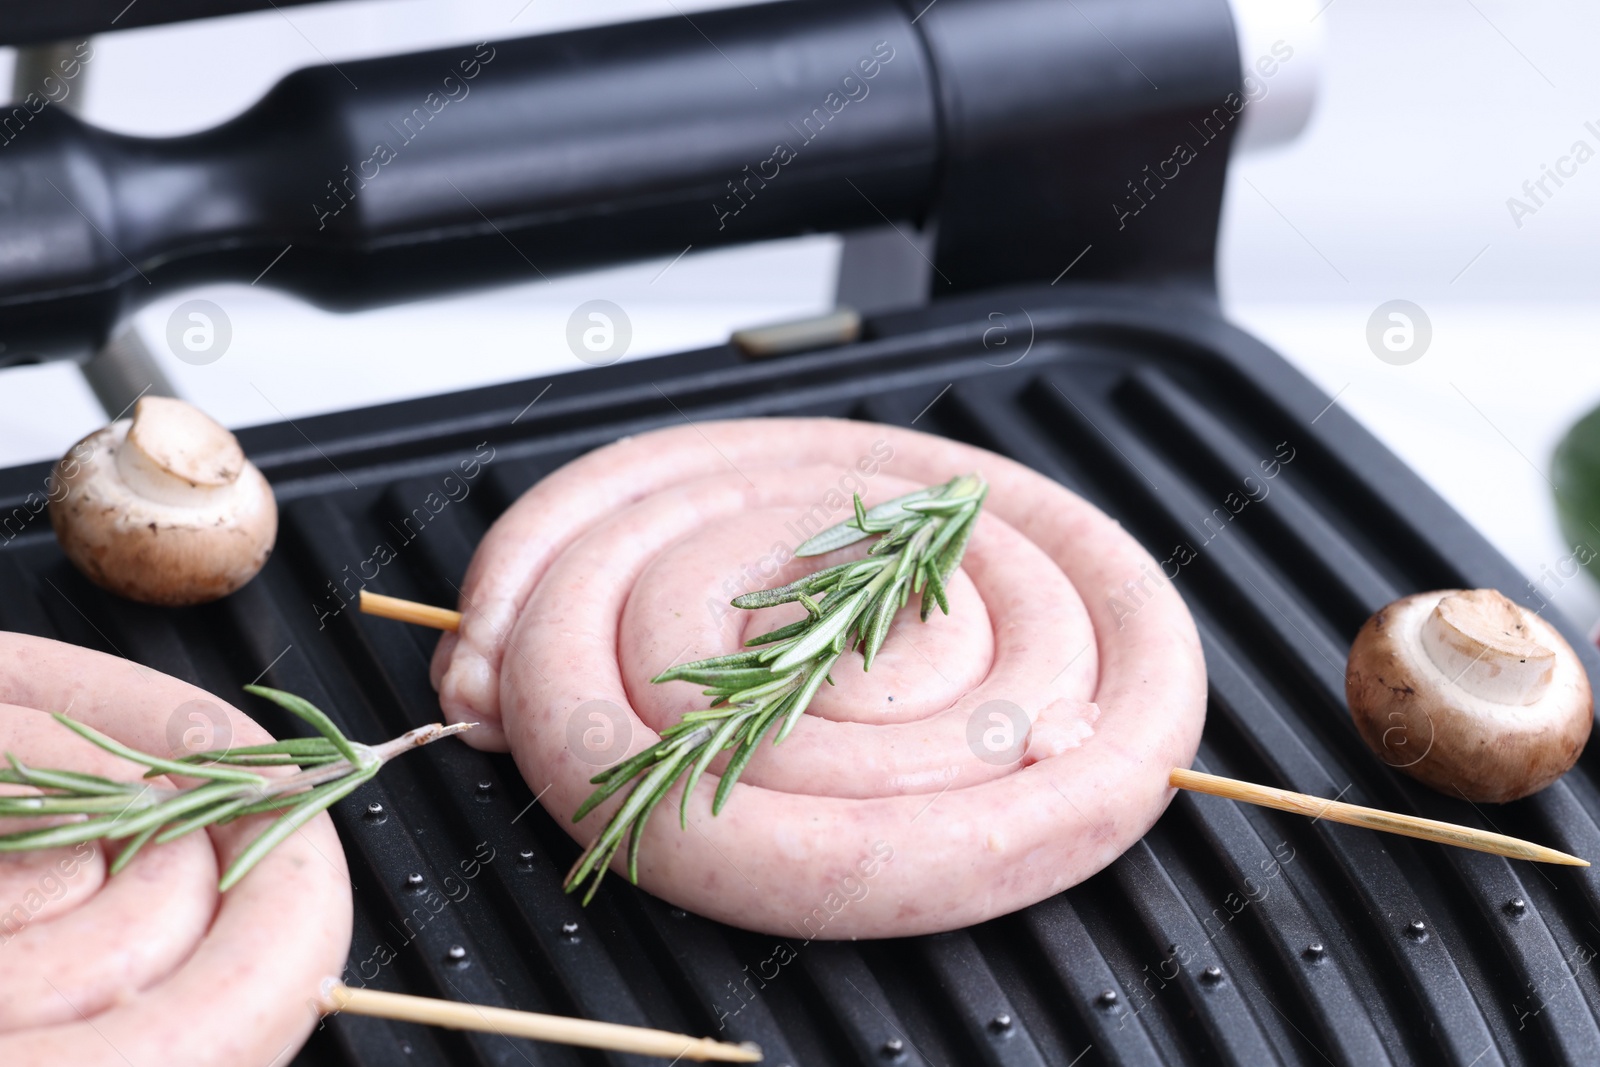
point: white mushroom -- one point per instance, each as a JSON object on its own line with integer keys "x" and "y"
{"x": 1469, "y": 692}
{"x": 163, "y": 507}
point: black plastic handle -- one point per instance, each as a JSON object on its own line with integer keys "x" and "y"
{"x": 422, "y": 173}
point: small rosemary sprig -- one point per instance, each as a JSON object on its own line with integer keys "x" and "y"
{"x": 332, "y": 765}
{"x": 850, "y": 606}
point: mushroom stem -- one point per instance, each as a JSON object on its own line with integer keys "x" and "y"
{"x": 1480, "y": 641}
{"x": 174, "y": 454}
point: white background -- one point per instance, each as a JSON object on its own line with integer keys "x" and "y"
{"x": 1430, "y": 115}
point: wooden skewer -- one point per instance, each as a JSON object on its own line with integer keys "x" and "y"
{"x": 613, "y": 1037}
{"x": 1372, "y": 818}
{"x": 1282, "y": 799}
{"x": 392, "y": 607}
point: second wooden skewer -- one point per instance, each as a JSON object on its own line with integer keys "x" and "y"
{"x": 1444, "y": 833}
{"x": 392, "y": 607}
{"x": 587, "y": 1033}
{"x": 1246, "y": 792}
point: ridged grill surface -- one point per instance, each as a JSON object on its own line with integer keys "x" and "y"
{"x": 1195, "y": 947}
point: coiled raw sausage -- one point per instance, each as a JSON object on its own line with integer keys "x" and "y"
{"x": 866, "y": 821}
{"x": 153, "y": 965}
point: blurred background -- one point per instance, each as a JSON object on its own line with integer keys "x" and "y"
{"x": 1429, "y": 116}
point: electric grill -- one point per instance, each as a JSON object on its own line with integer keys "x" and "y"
{"x": 1007, "y": 135}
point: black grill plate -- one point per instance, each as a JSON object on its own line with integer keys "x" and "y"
{"x": 1144, "y": 402}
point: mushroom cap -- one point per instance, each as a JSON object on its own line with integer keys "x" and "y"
{"x": 1470, "y": 693}
{"x": 164, "y": 507}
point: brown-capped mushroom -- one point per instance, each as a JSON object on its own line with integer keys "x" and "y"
{"x": 163, "y": 507}
{"x": 1469, "y": 692}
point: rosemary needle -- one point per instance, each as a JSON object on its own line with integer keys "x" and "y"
{"x": 138, "y": 812}
{"x": 849, "y": 607}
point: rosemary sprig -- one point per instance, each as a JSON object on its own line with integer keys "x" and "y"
{"x": 332, "y": 765}
{"x": 851, "y": 606}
